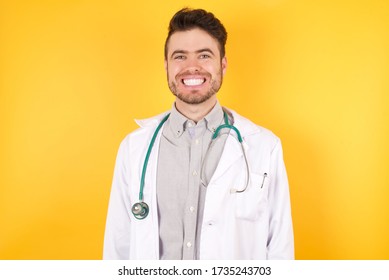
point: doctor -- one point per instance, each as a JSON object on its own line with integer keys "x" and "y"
{"x": 199, "y": 181}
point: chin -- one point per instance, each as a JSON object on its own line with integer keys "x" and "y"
{"x": 194, "y": 99}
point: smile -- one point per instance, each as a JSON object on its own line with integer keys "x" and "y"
{"x": 193, "y": 82}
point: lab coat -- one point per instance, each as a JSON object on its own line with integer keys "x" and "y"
{"x": 255, "y": 224}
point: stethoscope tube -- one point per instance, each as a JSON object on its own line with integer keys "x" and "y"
{"x": 146, "y": 161}
{"x": 240, "y": 139}
{"x": 140, "y": 210}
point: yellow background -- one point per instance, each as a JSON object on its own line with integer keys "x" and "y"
{"x": 74, "y": 74}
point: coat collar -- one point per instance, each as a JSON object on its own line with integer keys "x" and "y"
{"x": 245, "y": 126}
{"x": 153, "y": 121}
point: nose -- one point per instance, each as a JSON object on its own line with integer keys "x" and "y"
{"x": 192, "y": 65}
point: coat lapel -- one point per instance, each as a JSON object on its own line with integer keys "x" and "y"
{"x": 232, "y": 151}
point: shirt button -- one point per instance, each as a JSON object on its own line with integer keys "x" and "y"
{"x": 188, "y": 244}
{"x": 197, "y": 141}
{"x": 191, "y": 209}
{"x": 194, "y": 173}
{"x": 190, "y": 124}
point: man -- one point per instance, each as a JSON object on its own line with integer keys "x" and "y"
{"x": 179, "y": 194}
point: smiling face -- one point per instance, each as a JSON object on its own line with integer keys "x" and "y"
{"x": 194, "y": 67}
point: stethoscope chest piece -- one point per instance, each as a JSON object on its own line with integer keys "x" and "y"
{"x": 140, "y": 210}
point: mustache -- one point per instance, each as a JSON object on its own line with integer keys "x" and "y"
{"x": 194, "y": 72}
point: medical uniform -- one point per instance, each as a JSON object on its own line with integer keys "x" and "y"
{"x": 254, "y": 224}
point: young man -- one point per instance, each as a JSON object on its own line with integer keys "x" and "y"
{"x": 200, "y": 181}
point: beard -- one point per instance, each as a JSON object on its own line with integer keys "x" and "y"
{"x": 196, "y": 96}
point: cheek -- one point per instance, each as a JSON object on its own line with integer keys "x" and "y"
{"x": 171, "y": 76}
{"x": 172, "y": 72}
{"x": 214, "y": 69}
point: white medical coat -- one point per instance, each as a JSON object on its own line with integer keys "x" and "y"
{"x": 255, "y": 224}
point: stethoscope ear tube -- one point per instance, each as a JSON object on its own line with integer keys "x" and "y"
{"x": 240, "y": 139}
{"x": 247, "y": 172}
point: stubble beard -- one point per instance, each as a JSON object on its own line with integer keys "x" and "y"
{"x": 194, "y": 97}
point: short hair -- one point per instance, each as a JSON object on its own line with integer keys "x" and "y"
{"x": 188, "y": 19}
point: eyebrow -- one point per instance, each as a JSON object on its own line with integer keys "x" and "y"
{"x": 198, "y": 51}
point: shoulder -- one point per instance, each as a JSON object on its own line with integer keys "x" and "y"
{"x": 146, "y": 126}
{"x": 136, "y": 140}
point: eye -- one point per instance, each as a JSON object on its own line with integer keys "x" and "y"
{"x": 205, "y": 56}
{"x": 179, "y": 57}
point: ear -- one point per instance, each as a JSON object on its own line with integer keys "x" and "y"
{"x": 165, "y": 64}
{"x": 224, "y": 65}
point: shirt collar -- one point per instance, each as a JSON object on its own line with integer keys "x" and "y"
{"x": 214, "y": 118}
{"x": 178, "y": 122}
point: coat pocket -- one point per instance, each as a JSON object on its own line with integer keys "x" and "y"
{"x": 250, "y": 204}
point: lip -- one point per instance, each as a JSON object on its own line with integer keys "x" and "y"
{"x": 193, "y": 80}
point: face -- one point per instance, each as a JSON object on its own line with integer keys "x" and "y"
{"x": 194, "y": 67}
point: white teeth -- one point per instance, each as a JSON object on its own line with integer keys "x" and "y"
{"x": 193, "y": 82}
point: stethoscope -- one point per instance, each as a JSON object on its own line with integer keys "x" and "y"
{"x": 140, "y": 210}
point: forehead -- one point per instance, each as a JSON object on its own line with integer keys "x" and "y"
{"x": 191, "y": 41}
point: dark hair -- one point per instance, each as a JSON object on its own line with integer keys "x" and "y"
{"x": 187, "y": 19}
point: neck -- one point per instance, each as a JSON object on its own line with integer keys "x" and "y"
{"x": 195, "y": 112}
